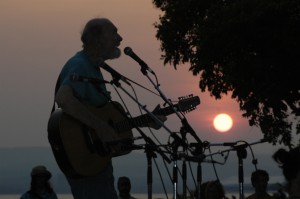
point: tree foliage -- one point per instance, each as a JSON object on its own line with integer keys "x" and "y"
{"x": 250, "y": 48}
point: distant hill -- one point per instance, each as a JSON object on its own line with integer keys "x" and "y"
{"x": 16, "y": 165}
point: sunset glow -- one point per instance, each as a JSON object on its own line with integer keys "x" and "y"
{"x": 223, "y": 122}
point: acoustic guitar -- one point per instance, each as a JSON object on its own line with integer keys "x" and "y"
{"x": 80, "y": 152}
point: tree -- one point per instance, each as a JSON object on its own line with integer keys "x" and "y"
{"x": 249, "y": 48}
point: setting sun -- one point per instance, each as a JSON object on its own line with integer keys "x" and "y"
{"x": 223, "y": 122}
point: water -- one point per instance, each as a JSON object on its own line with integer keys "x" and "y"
{"x": 69, "y": 196}
{"x": 15, "y": 196}
{"x": 138, "y": 196}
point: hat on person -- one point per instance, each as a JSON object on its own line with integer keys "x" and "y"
{"x": 41, "y": 171}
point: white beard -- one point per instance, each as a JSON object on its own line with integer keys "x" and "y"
{"x": 116, "y": 54}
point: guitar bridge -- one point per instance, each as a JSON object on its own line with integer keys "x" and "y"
{"x": 88, "y": 138}
{"x": 93, "y": 142}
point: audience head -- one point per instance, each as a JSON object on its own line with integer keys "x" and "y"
{"x": 40, "y": 172}
{"x": 124, "y": 185}
{"x": 40, "y": 177}
{"x": 259, "y": 180}
{"x": 212, "y": 190}
{"x": 289, "y": 162}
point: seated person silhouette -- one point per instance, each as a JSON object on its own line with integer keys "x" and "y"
{"x": 40, "y": 186}
{"x": 212, "y": 190}
{"x": 259, "y": 180}
{"x": 289, "y": 162}
{"x": 124, "y": 187}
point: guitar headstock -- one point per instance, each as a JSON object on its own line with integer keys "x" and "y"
{"x": 188, "y": 103}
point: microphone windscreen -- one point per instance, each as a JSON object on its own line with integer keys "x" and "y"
{"x": 128, "y": 51}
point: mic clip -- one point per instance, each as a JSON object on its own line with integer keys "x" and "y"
{"x": 115, "y": 75}
{"x": 76, "y": 77}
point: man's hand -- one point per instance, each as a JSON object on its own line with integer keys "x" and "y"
{"x": 156, "y": 125}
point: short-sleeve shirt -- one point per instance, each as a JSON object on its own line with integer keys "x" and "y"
{"x": 85, "y": 91}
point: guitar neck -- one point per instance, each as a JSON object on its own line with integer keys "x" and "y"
{"x": 142, "y": 120}
{"x": 184, "y": 105}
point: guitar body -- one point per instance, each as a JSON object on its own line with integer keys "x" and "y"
{"x": 77, "y": 149}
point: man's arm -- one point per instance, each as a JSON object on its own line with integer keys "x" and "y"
{"x": 156, "y": 125}
{"x": 73, "y": 107}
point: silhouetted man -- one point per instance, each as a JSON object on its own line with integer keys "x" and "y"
{"x": 259, "y": 180}
{"x": 124, "y": 187}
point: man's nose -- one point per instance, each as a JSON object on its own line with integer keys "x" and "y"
{"x": 120, "y": 38}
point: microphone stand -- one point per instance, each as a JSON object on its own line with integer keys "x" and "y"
{"x": 150, "y": 149}
{"x": 184, "y": 176}
{"x": 199, "y": 159}
{"x": 241, "y": 154}
{"x": 150, "y": 146}
{"x": 198, "y": 156}
{"x": 185, "y": 128}
{"x": 116, "y": 77}
{"x": 175, "y": 145}
{"x": 149, "y": 154}
{"x": 183, "y": 120}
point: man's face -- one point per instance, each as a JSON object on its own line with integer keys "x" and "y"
{"x": 110, "y": 42}
{"x": 124, "y": 186}
{"x": 261, "y": 184}
{"x": 214, "y": 191}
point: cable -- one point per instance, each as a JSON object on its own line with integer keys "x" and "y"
{"x": 254, "y": 160}
{"x": 160, "y": 176}
{"x": 214, "y": 166}
{"x": 192, "y": 174}
{"x": 141, "y": 86}
{"x": 152, "y": 135}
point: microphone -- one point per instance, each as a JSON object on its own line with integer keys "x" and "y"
{"x": 128, "y": 51}
{"x": 196, "y": 158}
{"x": 223, "y": 144}
{"x": 114, "y": 73}
{"x": 80, "y": 78}
{"x": 265, "y": 140}
{"x": 206, "y": 144}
